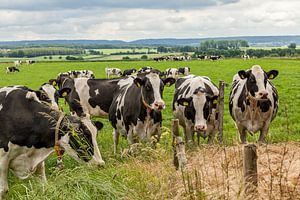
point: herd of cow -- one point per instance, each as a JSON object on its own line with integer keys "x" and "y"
{"x": 32, "y": 126}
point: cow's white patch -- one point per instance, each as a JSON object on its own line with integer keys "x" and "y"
{"x": 172, "y": 72}
{"x": 1, "y": 106}
{"x": 9, "y": 89}
{"x": 32, "y": 95}
{"x": 24, "y": 160}
{"x": 97, "y": 91}
{"x": 258, "y": 72}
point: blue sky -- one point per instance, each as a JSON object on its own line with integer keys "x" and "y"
{"x": 137, "y": 19}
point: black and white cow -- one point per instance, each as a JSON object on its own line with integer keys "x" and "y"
{"x": 17, "y": 63}
{"x": 136, "y": 108}
{"x": 213, "y": 58}
{"x": 113, "y": 71}
{"x": 253, "y": 102}
{"x": 128, "y": 72}
{"x": 184, "y": 71}
{"x": 29, "y": 130}
{"x": 88, "y": 96}
{"x": 194, "y": 104}
{"x": 145, "y": 69}
{"x": 172, "y": 72}
{"x": 29, "y": 62}
{"x": 12, "y": 69}
{"x": 77, "y": 74}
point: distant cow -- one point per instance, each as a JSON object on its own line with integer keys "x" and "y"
{"x": 194, "y": 104}
{"x": 202, "y": 57}
{"x": 145, "y": 69}
{"x": 29, "y": 62}
{"x": 78, "y": 74}
{"x": 184, "y": 71}
{"x": 29, "y": 131}
{"x": 172, "y": 72}
{"x": 136, "y": 108}
{"x": 17, "y": 63}
{"x": 213, "y": 58}
{"x": 113, "y": 71}
{"x": 128, "y": 72}
{"x": 253, "y": 102}
{"x": 245, "y": 57}
{"x": 12, "y": 69}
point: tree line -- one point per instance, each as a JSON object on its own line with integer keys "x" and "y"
{"x": 34, "y": 52}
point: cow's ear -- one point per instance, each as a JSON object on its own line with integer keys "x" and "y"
{"x": 243, "y": 74}
{"x": 64, "y": 92}
{"x": 99, "y": 125}
{"x": 38, "y": 94}
{"x": 138, "y": 82}
{"x": 53, "y": 82}
{"x": 185, "y": 101}
{"x": 169, "y": 81}
{"x": 272, "y": 74}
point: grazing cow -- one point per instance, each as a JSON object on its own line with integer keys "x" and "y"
{"x": 253, "y": 102}
{"x": 172, "y": 72}
{"x": 213, "y": 58}
{"x": 202, "y": 57}
{"x": 31, "y": 130}
{"x": 77, "y": 74}
{"x": 245, "y": 57}
{"x": 136, "y": 108}
{"x": 184, "y": 70}
{"x": 88, "y": 96}
{"x": 194, "y": 104}
{"x": 12, "y": 69}
{"x": 128, "y": 72}
{"x": 113, "y": 71}
{"x": 17, "y": 63}
{"x": 145, "y": 69}
{"x": 29, "y": 62}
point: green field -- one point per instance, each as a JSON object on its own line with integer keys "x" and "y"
{"x": 134, "y": 177}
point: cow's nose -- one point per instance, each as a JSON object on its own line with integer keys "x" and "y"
{"x": 263, "y": 94}
{"x": 159, "y": 105}
{"x": 200, "y": 127}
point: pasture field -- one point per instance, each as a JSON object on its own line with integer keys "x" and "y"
{"x": 150, "y": 174}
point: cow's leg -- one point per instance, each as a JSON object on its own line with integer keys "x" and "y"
{"x": 116, "y": 140}
{"x": 263, "y": 134}
{"x": 211, "y": 137}
{"x": 4, "y": 163}
{"x": 243, "y": 133}
{"x": 40, "y": 171}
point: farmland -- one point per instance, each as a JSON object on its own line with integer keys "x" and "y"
{"x": 150, "y": 174}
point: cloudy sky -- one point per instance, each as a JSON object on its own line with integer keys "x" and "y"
{"x": 138, "y": 19}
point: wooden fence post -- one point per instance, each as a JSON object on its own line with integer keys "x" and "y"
{"x": 179, "y": 160}
{"x": 221, "y": 111}
{"x": 250, "y": 171}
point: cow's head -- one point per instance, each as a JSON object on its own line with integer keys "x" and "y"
{"x": 152, "y": 88}
{"x": 256, "y": 81}
{"x": 172, "y": 72}
{"x": 198, "y": 107}
{"x": 81, "y": 140}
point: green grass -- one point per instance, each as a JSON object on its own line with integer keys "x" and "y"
{"x": 149, "y": 175}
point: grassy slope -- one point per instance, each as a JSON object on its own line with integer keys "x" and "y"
{"x": 134, "y": 178}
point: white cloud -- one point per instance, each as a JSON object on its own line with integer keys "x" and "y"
{"x": 23, "y": 19}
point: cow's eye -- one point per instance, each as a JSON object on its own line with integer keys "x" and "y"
{"x": 148, "y": 87}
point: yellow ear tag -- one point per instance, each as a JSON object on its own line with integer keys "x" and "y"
{"x": 215, "y": 101}
{"x": 138, "y": 84}
{"x": 185, "y": 103}
{"x": 54, "y": 83}
{"x": 64, "y": 94}
{"x": 242, "y": 76}
{"x": 271, "y": 76}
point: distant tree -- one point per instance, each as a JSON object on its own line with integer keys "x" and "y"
{"x": 50, "y": 57}
{"x": 162, "y": 49}
{"x": 144, "y": 57}
{"x": 292, "y": 46}
{"x": 45, "y": 57}
{"x": 126, "y": 58}
{"x": 59, "y": 57}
